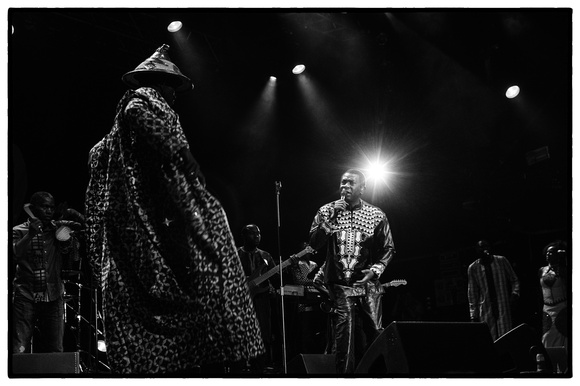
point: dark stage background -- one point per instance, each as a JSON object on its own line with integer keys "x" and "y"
{"x": 424, "y": 88}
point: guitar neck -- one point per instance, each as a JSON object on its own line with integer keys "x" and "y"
{"x": 271, "y": 272}
{"x": 394, "y": 283}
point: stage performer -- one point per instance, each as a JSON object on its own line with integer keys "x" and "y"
{"x": 255, "y": 262}
{"x": 554, "y": 284}
{"x": 161, "y": 249}
{"x": 357, "y": 240}
{"x": 42, "y": 247}
{"x": 492, "y": 289}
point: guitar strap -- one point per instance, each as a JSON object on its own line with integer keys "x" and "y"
{"x": 252, "y": 258}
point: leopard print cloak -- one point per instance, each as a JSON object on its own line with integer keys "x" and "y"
{"x": 169, "y": 305}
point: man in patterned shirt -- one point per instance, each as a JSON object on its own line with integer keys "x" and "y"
{"x": 40, "y": 254}
{"x": 358, "y": 243}
{"x": 492, "y": 288}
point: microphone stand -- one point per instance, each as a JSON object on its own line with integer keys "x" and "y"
{"x": 96, "y": 342}
{"x": 79, "y": 303}
{"x": 278, "y": 188}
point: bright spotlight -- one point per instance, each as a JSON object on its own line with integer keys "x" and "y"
{"x": 174, "y": 26}
{"x": 298, "y": 69}
{"x": 101, "y": 346}
{"x": 272, "y": 78}
{"x": 377, "y": 172}
{"x": 512, "y": 92}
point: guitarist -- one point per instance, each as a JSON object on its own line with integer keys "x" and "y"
{"x": 357, "y": 240}
{"x": 256, "y": 261}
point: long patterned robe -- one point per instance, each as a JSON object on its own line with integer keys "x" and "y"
{"x": 162, "y": 251}
{"x": 505, "y": 281}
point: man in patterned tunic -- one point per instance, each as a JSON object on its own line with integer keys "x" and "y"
{"x": 359, "y": 246}
{"x": 159, "y": 243}
{"x": 492, "y": 289}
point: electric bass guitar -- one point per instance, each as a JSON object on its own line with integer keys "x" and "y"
{"x": 328, "y": 307}
{"x": 258, "y": 277}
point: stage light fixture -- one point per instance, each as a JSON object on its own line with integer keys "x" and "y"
{"x": 272, "y": 78}
{"x": 512, "y": 92}
{"x": 174, "y": 26}
{"x": 298, "y": 69}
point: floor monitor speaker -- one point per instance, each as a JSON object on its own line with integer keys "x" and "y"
{"x": 45, "y": 363}
{"x": 518, "y": 348}
{"x": 431, "y": 348}
{"x": 312, "y": 364}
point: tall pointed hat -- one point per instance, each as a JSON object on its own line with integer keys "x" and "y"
{"x": 158, "y": 63}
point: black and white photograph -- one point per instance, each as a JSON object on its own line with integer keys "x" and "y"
{"x": 289, "y": 192}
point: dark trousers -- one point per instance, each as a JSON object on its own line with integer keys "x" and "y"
{"x": 48, "y": 317}
{"x": 352, "y": 337}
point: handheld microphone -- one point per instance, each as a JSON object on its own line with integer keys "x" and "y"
{"x": 342, "y": 196}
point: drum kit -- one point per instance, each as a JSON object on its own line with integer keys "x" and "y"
{"x": 83, "y": 322}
